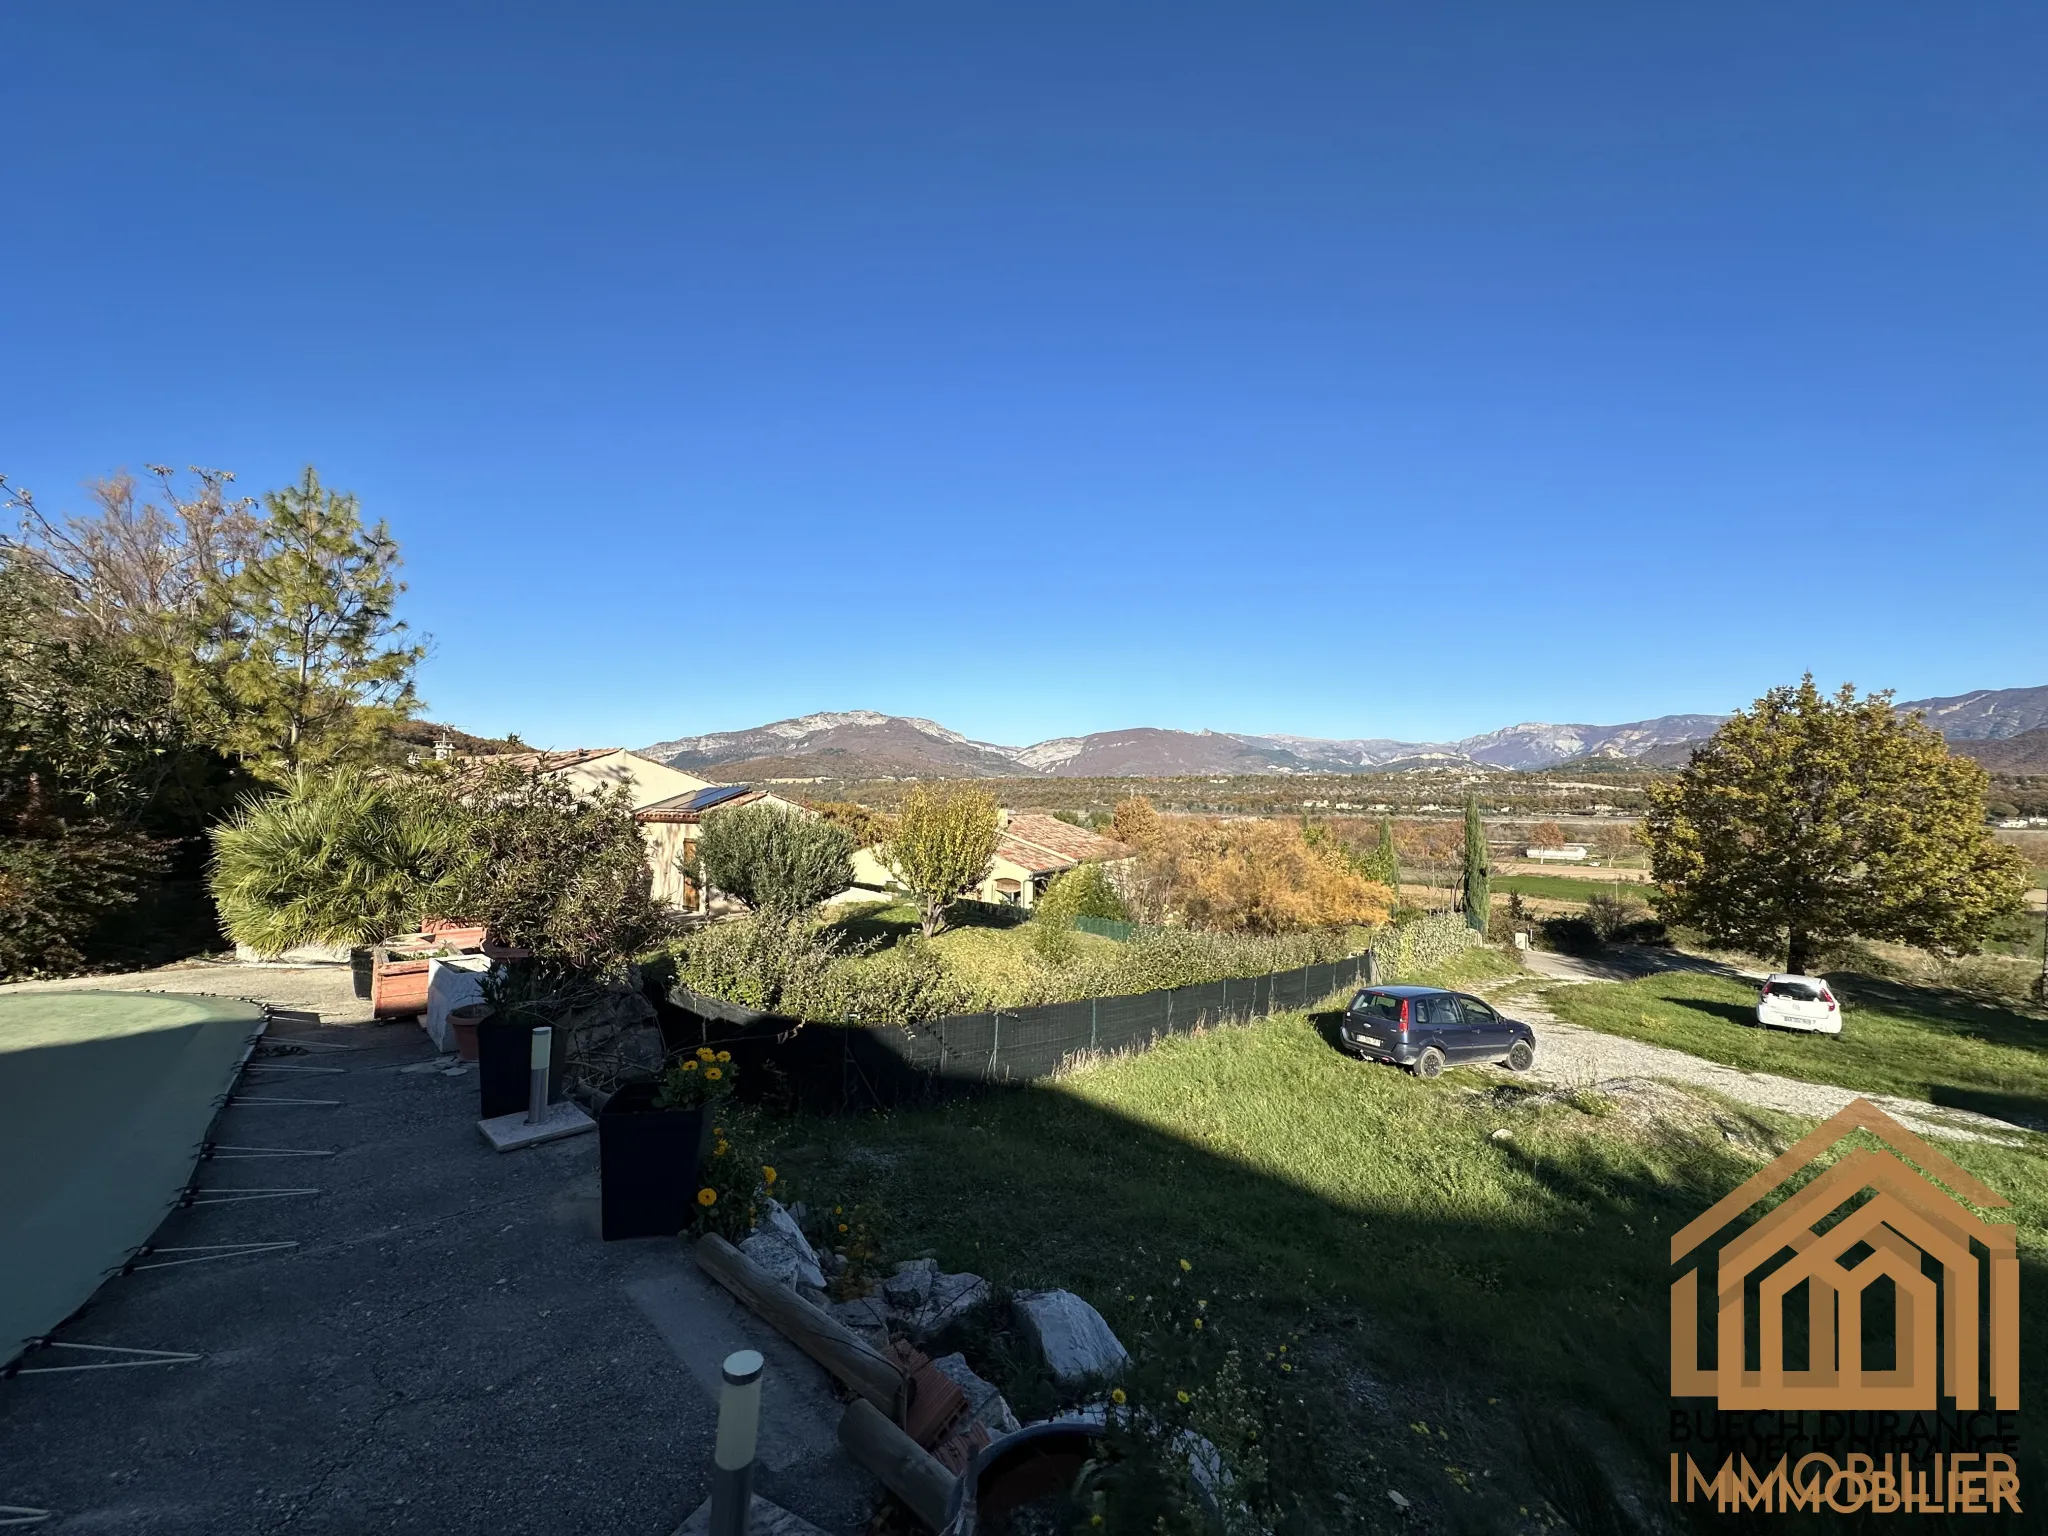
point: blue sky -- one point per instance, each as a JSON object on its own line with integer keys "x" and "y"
{"x": 1340, "y": 370}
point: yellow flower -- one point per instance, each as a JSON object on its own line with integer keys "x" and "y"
{"x": 689, "y": 1066}
{"x": 767, "y": 1174}
{"x": 1198, "y": 1322}
{"x": 1181, "y": 1396}
{"x": 719, "y": 1150}
{"x": 725, "y": 1055}
{"x": 842, "y": 1226}
{"x": 712, "y": 1074}
{"x": 1095, "y": 1519}
{"x": 839, "y": 1210}
{"x": 1286, "y": 1365}
{"x": 707, "y": 1197}
{"x": 1186, "y": 1267}
{"x": 1116, "y": 1395}
{"x": 705, "y": 1053}
{"x": 1203, "y": 1302}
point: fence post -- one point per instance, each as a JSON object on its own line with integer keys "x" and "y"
{"x": 1094, "y": 1003}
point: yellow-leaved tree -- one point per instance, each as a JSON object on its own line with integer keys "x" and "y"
{"x": 1806, "y": 820}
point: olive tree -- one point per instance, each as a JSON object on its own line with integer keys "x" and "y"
{"x": 774, "y": 859}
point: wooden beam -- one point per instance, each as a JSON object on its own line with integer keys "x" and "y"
{"x": 906, "y": 1468}
{"x": 837, "y": 1348}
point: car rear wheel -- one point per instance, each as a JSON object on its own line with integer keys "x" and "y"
{"x": 1430, "y": 1063}
{"x": 1521, "y": 1056}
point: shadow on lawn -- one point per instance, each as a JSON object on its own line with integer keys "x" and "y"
{"x": 1727, "y": 1013}
{"x": 2024, "y": 1109}
{"x": 1960, "y": 1013}
{"x": 1532, "y": 1348}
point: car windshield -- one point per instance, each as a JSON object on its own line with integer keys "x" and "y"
{"x": 1794, "y": 991}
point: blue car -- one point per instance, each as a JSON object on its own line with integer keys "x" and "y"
{"x": 1426, "y": 1029}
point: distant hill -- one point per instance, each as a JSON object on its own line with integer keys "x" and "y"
{"x": 854, "y": 743}
{"x": 1990, "y": 714}
{"x": 862, "y": 743}
{"x": 2024, "y": 753}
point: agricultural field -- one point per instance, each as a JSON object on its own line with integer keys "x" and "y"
{"x": 1579, "y": 888}
{"x": 1552, "y": 794}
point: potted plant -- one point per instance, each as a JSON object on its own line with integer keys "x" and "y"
{"x": 520, "y": 998}
{"x": 652, "y": 1139}
{"x": 463, "y": 1019}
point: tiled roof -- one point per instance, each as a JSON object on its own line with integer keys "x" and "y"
{"x": 1039, "y": 861}
{"x": 1076, "y": 845}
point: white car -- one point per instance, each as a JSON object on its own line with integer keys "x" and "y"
{"x": 1798, "y": 1002}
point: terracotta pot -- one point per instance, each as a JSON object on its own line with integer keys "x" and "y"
{"x": 464, "y": 1020}
{"x": 1036, "y": 1464}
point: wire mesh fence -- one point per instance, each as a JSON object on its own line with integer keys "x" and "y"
{"x": 827, "y": 1068}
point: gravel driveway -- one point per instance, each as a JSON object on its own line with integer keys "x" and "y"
{"x": 1572, "y": 1056}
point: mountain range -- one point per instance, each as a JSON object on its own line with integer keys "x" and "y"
{"x": 2007, "y": 727}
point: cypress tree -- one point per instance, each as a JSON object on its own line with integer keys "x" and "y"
{"x": 1478, "y": 894}
{"x": 1386, "y": 859}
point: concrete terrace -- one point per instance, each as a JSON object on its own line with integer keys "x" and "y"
{"x": 450, "y": 1348}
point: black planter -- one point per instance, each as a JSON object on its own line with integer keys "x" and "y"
{"x": 362, "y": 964}
{"x": 649, "y": 1160}
{"x": 504, "y": 1064}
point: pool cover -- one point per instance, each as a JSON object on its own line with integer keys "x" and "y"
{"x": 105, "y": 1099}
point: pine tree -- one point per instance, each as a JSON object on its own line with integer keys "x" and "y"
{"x": 304, "y": 638}
{"x": 1478, "y": 891}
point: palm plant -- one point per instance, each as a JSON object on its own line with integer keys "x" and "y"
{"x": 334, "y": 859}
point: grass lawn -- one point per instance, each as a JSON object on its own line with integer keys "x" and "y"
{"x": 1569, "y": 888}
{"x": 1480, "y": 1319}
{"x": 1918, "y": 1042}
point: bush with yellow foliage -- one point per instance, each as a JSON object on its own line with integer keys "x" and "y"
{"x": 1251, "y": 876}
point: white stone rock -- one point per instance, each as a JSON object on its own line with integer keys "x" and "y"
{"x": 985, "y": 1404}
{"x": 779, "y": 1246}
{"x": 1077, "y": 1344}
{"x": 911, "y": 1286}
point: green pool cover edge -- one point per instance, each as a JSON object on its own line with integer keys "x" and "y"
{"x": 105, "y": 1101}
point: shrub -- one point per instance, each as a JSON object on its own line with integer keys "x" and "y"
{"x": 775, "y": 860}
{"x": 1251, "y": 876}
{"x": 773, "y": 962}
{"x": 1617, "y": 919}
{"x": 337, "y": 859}
{"x": 59, "y": 884}
{"x": 906, "y": 985}
{"x": 549, "y": 870}
{"x": 1086, "y": 891}
{"x": 1569, "y": 935}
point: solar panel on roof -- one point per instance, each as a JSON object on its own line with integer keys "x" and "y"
{"x": 717, "y": 794}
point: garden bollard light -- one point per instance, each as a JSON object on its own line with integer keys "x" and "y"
{"x": 732, "y": 1457}
{"x": 537, "y": 1090}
